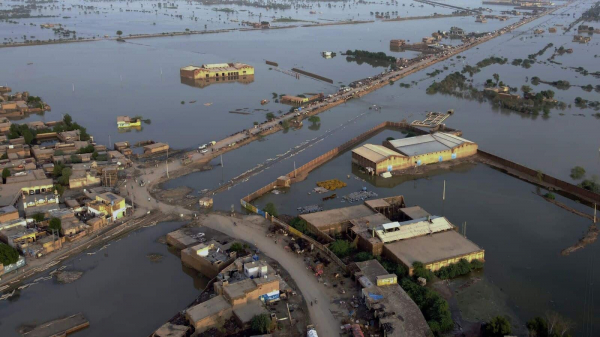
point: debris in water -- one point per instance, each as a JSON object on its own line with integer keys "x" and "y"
{"x": 154, "y": 257}
{"x": 309, "y": 209}
{"x": 65, "y": 277}
{"x": 359, "y": 196}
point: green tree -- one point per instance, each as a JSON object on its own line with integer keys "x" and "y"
{"x": 362, "y": 256}
{"x": 419, "y": 270}
{"x": 8, "y": 255}
{"x": 270, "y": 116}
{"x": 68, "y": 120}
{"x": 236, "y": 247}
{"x": 499, "y": 326}
{"x": 577, "y": 172}
{"x": 60, "y": 189}
{"x": 314, "y": 119}
{"x": 38, "y": 217}
{"x": 261, "y": 324}
{"x": 271, "y": 209}
{"x": 119, "y": 32}
{"x": 525, "y": 88}
{"x": 5, "y": 174}
{"x": 64, "y": 177}
{"x": 299, "y": 224}
{"x": 496, "y": 78}
{"x": 55, "y": 224}
{"x": 341, "y": 248}
{"x": 285, "y": 124}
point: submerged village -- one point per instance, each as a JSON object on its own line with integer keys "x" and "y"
{"x": 292, "y": 168}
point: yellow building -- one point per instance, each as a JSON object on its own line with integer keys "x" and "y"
{"x": 217, "y": 70}
{"x": 108, "y": 205}
{"x": 400, "y": 154}
{"x": 126, "y": 122}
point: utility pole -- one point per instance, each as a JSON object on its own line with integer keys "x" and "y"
{"x": 167, "y": 161}
{"x": 109, "y": 143}
{"x": 465, "y": 230}
{"x": 294, "y": 169}
{"x": 443, "y": 197}
{"x": 594, "y": 214}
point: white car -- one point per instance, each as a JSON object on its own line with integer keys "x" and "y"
{"x": 202, "y": 146}
{"x": 204, "y": 151}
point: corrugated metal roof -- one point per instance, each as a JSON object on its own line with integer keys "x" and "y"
{"x": 409, "y": 229}
{"x": 419, "y": 145}
{"x": 375, "y": 153}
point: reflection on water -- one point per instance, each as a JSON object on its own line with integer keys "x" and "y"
{"x": 203, "y": 83}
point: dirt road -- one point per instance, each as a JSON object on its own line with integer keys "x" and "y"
{"x": 251, "y": 230}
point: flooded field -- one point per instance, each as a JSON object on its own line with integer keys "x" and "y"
{"x": 97, "y": 81}
{"x": 521, "y": 233}
{"x": 122, "y": 291}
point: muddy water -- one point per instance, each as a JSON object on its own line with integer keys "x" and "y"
{"x": 521, "y": 233}
{"x": 121, "y": 291}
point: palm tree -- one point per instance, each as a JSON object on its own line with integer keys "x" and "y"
{"x": 497, "y": 78}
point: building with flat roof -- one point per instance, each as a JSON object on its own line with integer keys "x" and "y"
{"x": 208, "y": 258}
{"x": 213, "y": 312}
{"x": 335, "y": 220}
{"x": 172, "y": 330}
{"x": 387, "y": 227}
{"x": 108, "y": 205}
{"x": 220, "y": 70}
{"x": 434, "y": 251}
{"x": 388, "y": 302}
{"x": 8, "y": 213}
{"x": 155, "y": 148}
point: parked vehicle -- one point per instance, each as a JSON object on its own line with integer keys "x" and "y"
{"x": 310, "y": 331}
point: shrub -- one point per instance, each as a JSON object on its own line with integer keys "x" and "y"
{"x": 499, "y": 326}
{"x": 300, "y": 224}
{"x": 271, "y": 209}
{"x": 362, "y": 256}
{"x": 261, "y": 324}
{"x": 340, "y": 248}
{"x": 419, "y": 270}
{"x": 236, "y": 247}
{"x": 432, "y": 305}
{"x": 577, "y": 172}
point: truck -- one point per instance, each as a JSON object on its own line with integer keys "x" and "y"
{"x": 311, "y": 331}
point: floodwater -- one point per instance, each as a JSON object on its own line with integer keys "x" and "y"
{"x": 97, "y": 81}
{"x": 121, "y": 293}
{"x": 103, "y": 18}
{"x": 522, "y": 234}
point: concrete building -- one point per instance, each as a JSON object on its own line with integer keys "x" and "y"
{"x": 126, "y": 122}
{"x": 84, "y": 178}
{"x": 208, "y": 258}
{"x": 108, "y": 205}
{"x": 220, "y": 70}
{"x": 388, "y": 303}
{"x": 403, "y": 234}
{"x": 8, "y": 213}
{"x": 207, "y": 314}
{"x": 237, "y": 296}
{"x": 328, "y": 223}
{"x": 434, "y": 251}
{"x": 397, "y": 43}
{"x": 155, "y": 148}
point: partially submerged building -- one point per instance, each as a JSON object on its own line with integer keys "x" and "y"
{"x": 217, "y": 70}
{"x": 402, "y": 234}
{"x": 411, "y": 152}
